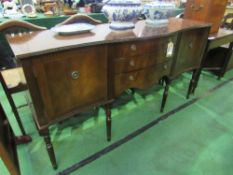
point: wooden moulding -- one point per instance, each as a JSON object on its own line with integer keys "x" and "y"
{"x": 21, "y": 24}
{"x": 79, "y": 18}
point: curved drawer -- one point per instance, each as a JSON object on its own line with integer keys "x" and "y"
{"x": 128, "y": 64}
{"x": 135, "y": 48}
{"x": 141, "y": 79}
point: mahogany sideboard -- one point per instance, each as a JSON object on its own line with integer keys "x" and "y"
{"x": 67, "y": 74}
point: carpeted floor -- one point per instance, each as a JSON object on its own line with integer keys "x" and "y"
{"x": 196, "y": 140}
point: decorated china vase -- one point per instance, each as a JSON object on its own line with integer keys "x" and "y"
{"x": 122, "y": 13}
{"x": 158, "y": 12}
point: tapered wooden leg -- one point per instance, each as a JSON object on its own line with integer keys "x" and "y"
{"x": 196, "y": 80}
{"x": 49, "y": 147}
{"x": 25, "y": 137}
{"x": 108, "y": 122}
{"x": 165, "y": 94}
{"x": 191, "y": 84}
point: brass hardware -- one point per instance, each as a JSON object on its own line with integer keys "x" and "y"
{"x": 131, "y": 77}
{"x": 165, "y": 67}
{"x": 190, "y": 45}
{"x": 75, "y": 75}
{"x": 131, "y": 63}
{"x": 133, "y": 47}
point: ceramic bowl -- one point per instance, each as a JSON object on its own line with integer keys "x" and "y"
{"x": 122, "y": 13}
{"x": 157, "y": 13}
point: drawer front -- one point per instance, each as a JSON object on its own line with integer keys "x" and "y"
{"x": 71, "y": 80}
{"x": 141, "y": 79}
{"x": 128, "y": 64}
{"x": 136, "y": 48}
{"x": 191, "y": 49}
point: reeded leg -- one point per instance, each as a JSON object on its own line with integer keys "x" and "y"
{"x": 165, "y": 94}
{"x": 108, "y": 122}
{"x": 49, "y": 147}
{"x": 191, "y": 84}
{"x": 196, "y": 80}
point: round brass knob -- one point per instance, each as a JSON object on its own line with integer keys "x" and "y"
{"x": 131, "y": 63}
{"x": 131, "y": 77}
{"x": 165, "y": 67}
{"x": 191, "y": 45}
{"x": 75, "y": 75}
{"x": 133, "y": 47}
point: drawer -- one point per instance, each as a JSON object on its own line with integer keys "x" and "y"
{"x": 136, "y": 48}
{"x": 141, "y": 79}
{"x": 128, "y": 64}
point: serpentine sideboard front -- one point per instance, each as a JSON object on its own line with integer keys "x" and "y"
{"x": 67, "y": 74}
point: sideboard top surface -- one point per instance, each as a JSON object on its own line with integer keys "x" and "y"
{"x": 44, "y": 42}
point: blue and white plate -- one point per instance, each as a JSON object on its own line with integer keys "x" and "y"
{"x": 70, "y": 29}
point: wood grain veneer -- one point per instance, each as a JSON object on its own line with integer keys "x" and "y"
{"x": 68, "y": 74}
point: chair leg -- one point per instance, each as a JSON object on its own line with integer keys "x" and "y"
{"x": 24, "y": 138}
{"x": 108, "y": 121}
{"x": 165, "y": 94}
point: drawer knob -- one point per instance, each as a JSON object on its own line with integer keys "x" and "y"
{"x": 165, "y": 67}
{"x": 131, "y": 63}
{"x": 75, "y": 75}
{"x": 133, "y": 47}
{"x": 191, "y": 45}
{"x": 131, "y": 77}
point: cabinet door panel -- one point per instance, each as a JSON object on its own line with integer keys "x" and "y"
{"x": 72, "y": 79}
{"x": 190, "y": 51}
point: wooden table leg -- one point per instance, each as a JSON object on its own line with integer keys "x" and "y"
{"x": 49, "y": 146}
{"x": 192, "y": 82}
{"x": 165, "y": 93}
{"x": 108, "y": 121}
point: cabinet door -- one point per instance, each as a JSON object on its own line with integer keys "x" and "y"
{"x": 190, "y": 51}
{"x": 71, "y": 80}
